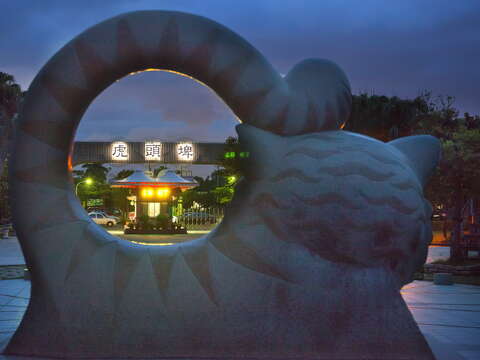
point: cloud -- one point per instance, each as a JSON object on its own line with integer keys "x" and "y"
{"x": 393, "y": 48}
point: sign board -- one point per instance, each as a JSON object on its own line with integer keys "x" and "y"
{"x": 94, "y": 202}
{"x": 185, "y": 151}
{"x": 153, "y": 150}
{"x": 119, "y": 151}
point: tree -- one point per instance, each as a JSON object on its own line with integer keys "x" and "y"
{"x": 384, "y": 118}
{"x": 457, "y": 177}
{"x": 10, "y": 99}
{"x": 11, "y": 96}
{"x": 457, "y": 180}
{"x": 95, "y": 171}
{"x": 99, "y": 189}
{"x": 4, "y": 203}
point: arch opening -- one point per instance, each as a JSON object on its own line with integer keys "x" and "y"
{"x": 133, "y": 129}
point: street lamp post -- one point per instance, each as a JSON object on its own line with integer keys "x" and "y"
{"x": 88, "y": 181}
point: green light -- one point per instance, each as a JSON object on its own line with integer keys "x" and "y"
{"x": 230, "y": 155}
{"x": 89, "y": 181}
{"x": 232, "y": 179}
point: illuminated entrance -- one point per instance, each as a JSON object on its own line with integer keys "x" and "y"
{"x": 153, "y": 196}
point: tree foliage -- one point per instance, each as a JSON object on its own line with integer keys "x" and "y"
{"x": 10, "y": 98}
{"x": 384, "y": 118}
{"x": 457, "y": 178}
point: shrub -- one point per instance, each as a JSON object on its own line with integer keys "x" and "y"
{"x": 162, "y": 221}
{"x": 144, "y": 222}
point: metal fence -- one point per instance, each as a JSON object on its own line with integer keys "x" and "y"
{"x": 200, "y": 218}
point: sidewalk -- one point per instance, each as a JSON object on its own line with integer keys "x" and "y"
{"x": 10, "y": 252}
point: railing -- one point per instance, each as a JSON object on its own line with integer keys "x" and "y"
{"x": 200, "y": 218}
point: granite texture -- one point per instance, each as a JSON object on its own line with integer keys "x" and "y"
{"x": 322, "y": 233}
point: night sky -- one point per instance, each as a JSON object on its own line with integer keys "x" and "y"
{"x": 392, "y": 48}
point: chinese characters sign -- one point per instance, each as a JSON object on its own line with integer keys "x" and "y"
{"x": 185, "y": 151}
{"x": 153, "y": 150}
{"x": 119, "y": 151}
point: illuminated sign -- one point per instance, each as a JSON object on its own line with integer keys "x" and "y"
{"x": 153, "y": 150}
{"x": 119, "y": 151}
{"x": 185, "y": 151}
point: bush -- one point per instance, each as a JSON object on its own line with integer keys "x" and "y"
{"x": 162, "y": 222}
{"x": 144, "y": 222}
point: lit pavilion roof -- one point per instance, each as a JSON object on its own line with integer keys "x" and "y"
{"x": 166, "y": 178}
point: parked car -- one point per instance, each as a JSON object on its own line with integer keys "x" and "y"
{"x": 195, "y": 217}
{"x": 102, "y": 219}
{"x": 109, "y": 212}
{"x": 117, "y": 219}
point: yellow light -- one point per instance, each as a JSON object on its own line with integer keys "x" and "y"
{"x": 163, "y": 192}
{"x": 89, "y": 181}
{"x": 147, "y": 192}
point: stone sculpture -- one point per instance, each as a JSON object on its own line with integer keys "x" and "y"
{"x": 309, "y": 259}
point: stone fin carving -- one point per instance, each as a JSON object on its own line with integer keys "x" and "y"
{"x": 423, "y": 153}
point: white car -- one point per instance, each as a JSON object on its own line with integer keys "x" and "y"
{"x": 117, "y": 219}
{"x": 102, "y": 219}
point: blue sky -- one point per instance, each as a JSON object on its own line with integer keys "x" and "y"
{"x": 387, "y": 47}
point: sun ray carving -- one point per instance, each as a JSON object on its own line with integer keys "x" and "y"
{"x": 83, "y": 251}
{"x": 49, "y": 132}
{"x": 52, "y": 173}
{"x": 72, "y": 99}
{"x": 125, "y": 265}
{"x": 240, "y": 253}
{"x": 129, "y": 53}
{"x": 198, "y": 262}
{"x": 162, "y": 268}
{"x": 94, "y": 67}
{"x": 169, "y": 46}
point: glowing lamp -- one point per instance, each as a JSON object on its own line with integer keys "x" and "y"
{"x": 147, "y": 192}
{"x": 163, "y": 192}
